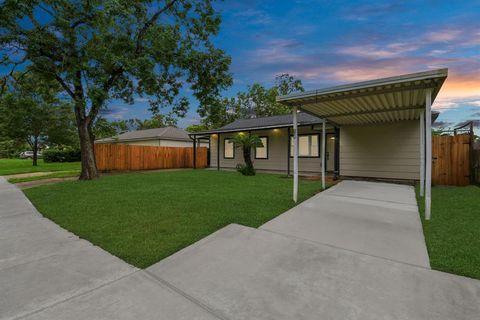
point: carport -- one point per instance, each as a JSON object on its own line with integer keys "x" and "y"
{"x": 385, "y": 108}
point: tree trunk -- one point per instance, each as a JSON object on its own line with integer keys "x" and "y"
{"x": 89, "y": 165}
{"x": 247, "y": 156}
{"x": 35, "y": 150}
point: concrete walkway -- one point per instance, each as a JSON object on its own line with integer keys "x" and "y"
{"x": 49, "y": 273}
{"x": 236, "y": 273}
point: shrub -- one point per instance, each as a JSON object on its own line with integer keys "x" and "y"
{"x": 246, "y": 170}
{"x": 67, "y": 155}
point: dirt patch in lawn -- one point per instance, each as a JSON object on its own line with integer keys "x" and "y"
{"x": 30, "y": 184}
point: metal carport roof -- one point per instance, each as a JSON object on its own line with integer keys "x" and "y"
{"x": 368, "y": 102}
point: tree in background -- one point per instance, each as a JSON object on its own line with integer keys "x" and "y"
{"x": 257, "y": 101}
{"x": 101, "y": 50}
{"x": 32, "y": 112}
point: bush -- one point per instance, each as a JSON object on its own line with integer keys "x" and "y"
{"x": 67, "y": 155}
{"x": 246, "y": 170}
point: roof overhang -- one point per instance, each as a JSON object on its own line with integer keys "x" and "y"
{"x": 369, "y": 102}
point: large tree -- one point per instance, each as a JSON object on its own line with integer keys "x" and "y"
{"x": 117, "y": 49}
{"x": 32, "y": 112}
{"x": 256, "y": 101}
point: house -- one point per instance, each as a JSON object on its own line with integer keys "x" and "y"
{"x": 381, "y": 128}
{"x": 162, "y": 137}
{"x": 276, "y": 153}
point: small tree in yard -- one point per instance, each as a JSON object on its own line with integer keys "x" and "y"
{"x": 246, "y": 142}
{"x": 100, "y": 50}
{"x": 31, "y": 112}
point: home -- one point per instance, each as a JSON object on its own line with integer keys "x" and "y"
{"x": 160, "y": 137}
{"x": 276, "y": 154}
{"x": 383, "y": 129}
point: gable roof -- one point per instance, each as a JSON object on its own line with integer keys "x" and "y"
{"x": 265, "y": 123}
{"x": 167, "y": 133}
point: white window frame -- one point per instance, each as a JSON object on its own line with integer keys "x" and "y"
{"x": 265, "y": 146}
{"x": 225, "y": 141}
{"x": 309, "y": 145}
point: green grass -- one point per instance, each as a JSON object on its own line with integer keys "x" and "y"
{"x": 453, "y": 232}
{"x": 15, "y": 166}
{"x": 144, "y": 217}
{"x": 59, "y": 174}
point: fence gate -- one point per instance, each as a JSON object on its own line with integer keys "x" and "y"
{"x": 451, "y": 157}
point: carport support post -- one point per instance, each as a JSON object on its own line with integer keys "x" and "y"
{"x": 295, "y": 155}
{"x": 422, "y": 154}
{"x": 323, "y": 154}
{"x": 428, "y": 153}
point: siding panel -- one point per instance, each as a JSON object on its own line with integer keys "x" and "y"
{"x": 389, "y": 151}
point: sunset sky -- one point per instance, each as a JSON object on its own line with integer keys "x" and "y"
{"x": 326, "y": 43}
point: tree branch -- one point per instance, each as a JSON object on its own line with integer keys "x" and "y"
{"x": 149, "y": 23}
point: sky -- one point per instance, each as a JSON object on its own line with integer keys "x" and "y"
{"x": 326, "y": 43}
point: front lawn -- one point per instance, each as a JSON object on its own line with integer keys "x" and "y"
{"x": 453, "y": 232}
{"x": 15, "y": 166}
{"x": 144, "y": 217}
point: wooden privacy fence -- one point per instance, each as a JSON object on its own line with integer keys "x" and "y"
{"x": 451, "y": 160}
{"x": 124, "y": 157}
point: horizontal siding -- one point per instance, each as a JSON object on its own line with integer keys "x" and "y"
{"x": 389, "y": 151}
{"x": 277, "y": 152}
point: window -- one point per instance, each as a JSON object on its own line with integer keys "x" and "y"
{"x": 228, "y": 149}
{"x": 262, "y": 152}
{"x": 307, "y": 146}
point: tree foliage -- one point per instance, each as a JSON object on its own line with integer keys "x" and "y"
{"x": 99, "y": 50}
{"x": 247, "y": 142}
{"x": 257, "y": 101}
{"x": 32, "y": 112}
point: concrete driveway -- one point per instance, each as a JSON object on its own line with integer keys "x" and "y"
{"x": 378, "y": 219}
{"x": 274, "y": 272}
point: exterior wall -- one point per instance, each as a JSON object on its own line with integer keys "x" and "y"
{"x": 390, "y": 151}
{"x": 277, "y": 152}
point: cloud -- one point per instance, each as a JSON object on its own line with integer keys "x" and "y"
{"x": 442, "y": 124}
{"x": 364, "y": 12}
{"x": 115, "y": 113}
{"x": 254, "y": 16}
{"x": 445, "y": 35}
{"x": 376, "y": 52}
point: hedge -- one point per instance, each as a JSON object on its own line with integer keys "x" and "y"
{"x": 54, "y": 155}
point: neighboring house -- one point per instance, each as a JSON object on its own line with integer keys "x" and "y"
{"x": 163, "y": 137}
{"x": 276, "y": 135}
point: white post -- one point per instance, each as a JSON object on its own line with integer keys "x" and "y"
{"x": 428, "y": 153}
{"x": 323, "y": 154}
{"x": 295, "y": 155}
{"x": 422, "y": 154}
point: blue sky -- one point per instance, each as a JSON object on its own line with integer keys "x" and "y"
{"x": 326, "y": 43}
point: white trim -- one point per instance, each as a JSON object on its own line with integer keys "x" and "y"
{"x": 422, "y": 154}
{"x": 428, "y": 153}
{"x": 295, "y": 155}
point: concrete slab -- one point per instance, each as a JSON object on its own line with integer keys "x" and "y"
{"x": 253, "y": 274}
{"x": 72, "y": 270}
{"x": 137, "y": 296}
{"x": 29, "y": 237}
{"x": 42, "y": 264}
{"x": 383, "y": 229}
{"x": 374, "y": 191}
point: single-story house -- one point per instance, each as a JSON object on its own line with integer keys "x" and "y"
{"x": 160, "y": 137}
{"x": 381, "y": 129}
{"x": 276, "y": 155}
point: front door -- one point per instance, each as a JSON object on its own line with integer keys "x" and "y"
{"x": 330, "y": 152}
